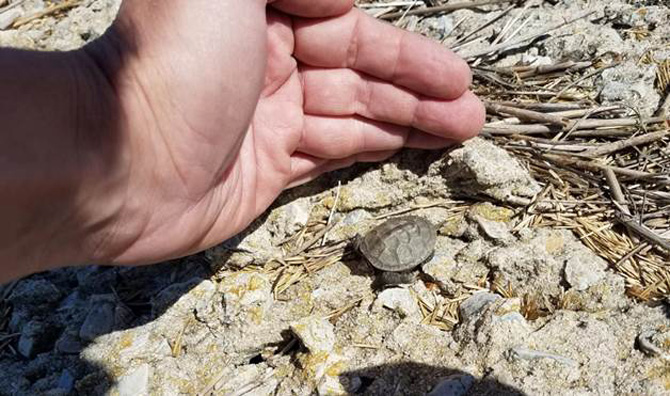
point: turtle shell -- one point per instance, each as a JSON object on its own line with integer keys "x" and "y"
{"x": 399, "y": 244}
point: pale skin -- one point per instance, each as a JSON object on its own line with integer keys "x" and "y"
{"x": 183, "y": 123}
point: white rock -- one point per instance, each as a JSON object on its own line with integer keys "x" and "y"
{"x": 536, "y": 60}
{"x": 356, "y": 216}
{"x": 486, "y": 168}
{"x": 476, "y": 303}
{"x": 332, "y": 366}
{"x": 399, "y": 300}
{"x": 419, "y": 342}
{"x": 317, "y": 334}
{"x": 442, "y": 267}
{"x": 7, "y": 18}
{"x": 631, "y": 84}
{"x": 511, "y": 318}
{"x": 583, "y": 271}
{"x": 508, "y": 312}
{"x": 288, "y": 219}
{"x": 496, "y": 230}
{"x": 536, "y": 265}
{"x": 143, "y": 343}
{"x": 509, "y": 305}
{"x": 440, "y": 270}
{"x": 254, "y": 246}
{"x": 246, "y": 295}
{"x": 331, "y": 386}
{"x": 135, "y": 383}
{"x": 207, "y": 307}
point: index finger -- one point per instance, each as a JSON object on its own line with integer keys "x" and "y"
{"x": 358, "y": 41}
{"x": 313, "y": 8}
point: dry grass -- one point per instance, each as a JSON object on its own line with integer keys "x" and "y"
{"x": 53, "y": 9}
{"x": 605, "y": 172}
{"x": 306, "y": 251}
{"x": 442, "y": 313}
{"x": 6, "y": 339}
{"x": 604, "y": 169}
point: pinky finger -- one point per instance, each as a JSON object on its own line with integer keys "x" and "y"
{"x": 305, "y": 168}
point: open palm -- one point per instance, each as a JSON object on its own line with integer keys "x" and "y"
{"x": 336, "y": 90}
{"x": 350, "y": 89}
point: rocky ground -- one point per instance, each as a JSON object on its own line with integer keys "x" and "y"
{"x": 268, "y": 313}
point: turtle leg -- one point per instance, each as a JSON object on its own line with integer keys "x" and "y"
{"x": 386, "y": 279}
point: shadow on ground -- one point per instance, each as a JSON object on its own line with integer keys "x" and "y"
{"x": 415, "y": 379}
{"x": 137, "y": 296}
{"x": 87, "y": 302}
{"x": 135, "y": 292}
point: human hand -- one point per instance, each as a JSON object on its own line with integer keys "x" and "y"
{"x": 220, "y": 113}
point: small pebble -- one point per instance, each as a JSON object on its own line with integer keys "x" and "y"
{"x": 36, "y": 337}
{"x": 521, "y": 353}
{"x": 34, "y": 292}
{"x": 496, "y": 230}
{"x": 66, "y": 381}
{"x": 476, "y": 304}
{"x": 69, "y": 343}
{"x": 100, "y": 317}
{"x": 645, "y": 341}
{"x": 453, "y": 385}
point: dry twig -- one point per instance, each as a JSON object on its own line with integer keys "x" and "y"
{"x": 443, "y": 8}
{"x": 42, "y": 13}
{"x": 512, "y": 43}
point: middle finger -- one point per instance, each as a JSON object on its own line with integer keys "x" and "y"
{"x": 345, "y": 92}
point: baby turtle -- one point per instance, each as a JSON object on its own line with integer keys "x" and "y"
{"x": 397, "y": 246}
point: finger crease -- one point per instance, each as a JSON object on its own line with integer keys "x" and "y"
{"x": 414, "y": 122}
{"x": 396, "y": 58}
{"x": 352, "y": 50}
{"x": 363, "y": 96}
{"x": 359, "y": 139}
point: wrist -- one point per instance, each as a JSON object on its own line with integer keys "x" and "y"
{"x": 103, "y": 212}
{"x": 103, "y": 152}
{"x": 60, "y": 157}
